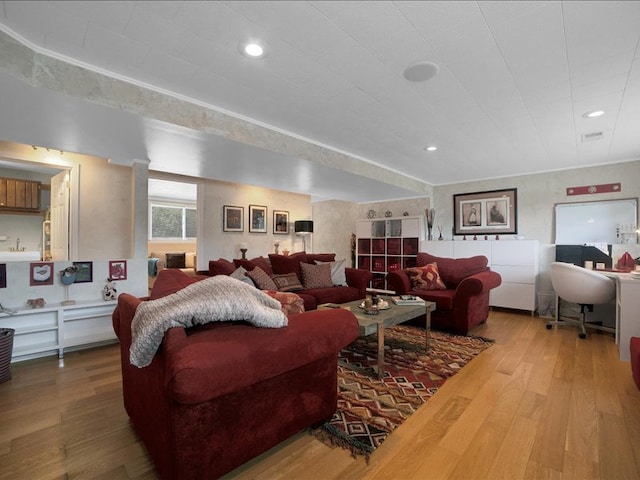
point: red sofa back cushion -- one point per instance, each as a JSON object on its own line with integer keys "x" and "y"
{"x": 169, "y": 281}
{"x": 221, "y": 267}
{"x": 288, "y": 263}
{"x": 454, "y": 270}
{"x": 253, "y": 263}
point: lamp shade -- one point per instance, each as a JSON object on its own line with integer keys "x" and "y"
{"x": 303, "y": 226}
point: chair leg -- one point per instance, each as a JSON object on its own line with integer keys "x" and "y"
{"x": 577, "y": 323}
{"x": 583, "y": 331}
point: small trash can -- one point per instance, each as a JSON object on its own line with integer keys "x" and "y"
{"x": 547, "y": 304}
{"x": 6, "y": 349}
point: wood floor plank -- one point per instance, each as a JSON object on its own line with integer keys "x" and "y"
{"x": 538, "y": 404}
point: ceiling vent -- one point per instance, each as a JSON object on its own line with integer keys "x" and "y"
{"x": 589, "y": 137}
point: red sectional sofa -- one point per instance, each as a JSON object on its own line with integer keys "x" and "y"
{"x": 357, "y": 280}
{"x": 463, "y": 301}
{"x": 219, "y": 394}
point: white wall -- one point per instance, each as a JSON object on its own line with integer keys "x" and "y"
{"x": 214, "y": 243}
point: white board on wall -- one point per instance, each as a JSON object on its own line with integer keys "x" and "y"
{"x": 594, "y": 222}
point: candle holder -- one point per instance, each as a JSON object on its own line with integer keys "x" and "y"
{"x": 244, "y": 253}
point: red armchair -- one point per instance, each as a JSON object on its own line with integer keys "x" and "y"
{"x": 465, "y": 301}
{"x": 219, "y": 394}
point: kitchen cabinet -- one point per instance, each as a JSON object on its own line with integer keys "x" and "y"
{"x": 19, "y": 195}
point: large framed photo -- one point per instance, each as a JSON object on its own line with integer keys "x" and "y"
{"x": 233, "y": 219}
{"x": 257, "y": 218}
{"x": 481, "y": 213}
{"x": 280, "y": 222}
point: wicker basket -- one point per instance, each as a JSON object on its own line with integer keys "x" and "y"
{"x": 6, "y": 348}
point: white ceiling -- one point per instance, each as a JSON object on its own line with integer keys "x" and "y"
{"x": 514, "y": 81}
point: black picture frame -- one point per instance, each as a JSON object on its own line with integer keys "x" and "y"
{"x": 257, "y": 219}
{"x": 232, "y": 218}
{"x": 280, "y": 222}
{"x": 494, "y": 212}
{"x": 3, "y": 275}
{"x": 84, "y": 272}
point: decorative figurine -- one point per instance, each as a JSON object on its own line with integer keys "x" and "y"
{"x": 109, "y": 292}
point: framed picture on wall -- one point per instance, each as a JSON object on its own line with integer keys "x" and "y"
{"x": 3, "y": 275}
{"x": 257, "y": 218}
{"x": 118, "y": 269}
{"x": 232, "y": 219}
{"x": 40, "y": 273}
{"x": 492, "y": 212}
{"x": 84, "y": 272}
{"x": 280, "y": 222}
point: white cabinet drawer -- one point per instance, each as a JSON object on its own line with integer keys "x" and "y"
{"x": 514, "y": 295}
{"x": 514, "y": 252}
{"x": 515, "y": 274}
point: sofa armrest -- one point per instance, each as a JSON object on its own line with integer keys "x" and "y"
{"x": 399, "y": 282}
{"x": 358, "y": 278}
{"x": 477, "y": 284}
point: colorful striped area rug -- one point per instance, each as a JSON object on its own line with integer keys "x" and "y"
{"x": 369, "y": 409}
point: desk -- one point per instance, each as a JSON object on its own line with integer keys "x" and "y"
{"x": 627, "y": 310}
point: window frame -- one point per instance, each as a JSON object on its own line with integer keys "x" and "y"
{"x": 184, "y": 206}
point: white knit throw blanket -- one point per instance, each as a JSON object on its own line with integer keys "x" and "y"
{"x": 219, "y": 298}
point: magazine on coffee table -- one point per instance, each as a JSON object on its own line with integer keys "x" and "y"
{"x": 408, "y": 300}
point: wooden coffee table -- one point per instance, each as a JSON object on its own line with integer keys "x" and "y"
{"x": 394, "y": 315}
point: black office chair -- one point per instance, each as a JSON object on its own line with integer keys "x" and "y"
{"x": 584, "y": 287}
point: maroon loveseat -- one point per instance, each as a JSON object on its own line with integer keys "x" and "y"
{"x": 357, "y": 280}
{"x": 219, "y": 394}
{"x": 465, "y": 301}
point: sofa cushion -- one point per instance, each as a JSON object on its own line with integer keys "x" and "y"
{"x": 426, "y": 278}
{"x": 316, "y": 276}
{"x": 287, "y": 263}
{"x": 170, "y": 281}
{"x": 444, "y": 298}
{"x": 175, "y": 260}
{"x": 338, "y": 275}
{"x": 331, "y": 295}
{"x": 261, "y": 279}
{"x": 221, "y": 266}
{"x": 254, "y": 262}
{"x": 214, "y": 361}
{"x": 287, "y": 282}
{"x": 454, "y": 270}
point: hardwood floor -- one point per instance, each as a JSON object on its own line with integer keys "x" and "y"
{"x": 538, "y": 404}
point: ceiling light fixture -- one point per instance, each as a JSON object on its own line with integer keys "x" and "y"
{"x": 253, "y": 50}
{"x": 421, "y": 71}
{"x": 593, "y": 114}
{"x": 431, "y": 148}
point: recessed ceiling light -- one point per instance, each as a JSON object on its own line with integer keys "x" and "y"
{"x": 253, "y": 50}
{"x": 431, "y": 148}
{"x": 421, "y": 71}
{"x": 593, "y": 114}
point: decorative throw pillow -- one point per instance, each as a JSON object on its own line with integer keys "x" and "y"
{"x": 289, "y": 302}
{"x": 338, "y": 276}
{"x": 261, "y": 279}
{"x": 240, "y": 273}
{"x": 316, "y": 276}
{"x": 426, "y": 278}
{"x": 320, "y": 257}
{"x": 287, "y": 282}
{"x": 221, "y": 267}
